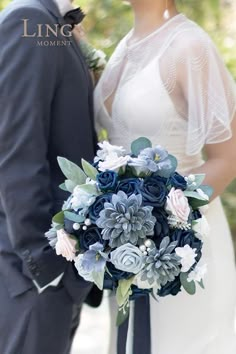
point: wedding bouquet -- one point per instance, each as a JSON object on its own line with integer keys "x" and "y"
{"x": 132, "y": 223}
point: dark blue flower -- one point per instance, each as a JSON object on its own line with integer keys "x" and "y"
{"x": 187, "y": 237}
{"x": 154, "y": 191}
{"x": 178, "y": 181}
{"x": 111, "y": 282}
{"x": 107, "y": 181}
{"x": 171, "y": 288}
{"x": 161, "y": 228}
{"x": 89, "y": 237}
{"x": 130, "y": 186}
{"x": 98, "y": 206}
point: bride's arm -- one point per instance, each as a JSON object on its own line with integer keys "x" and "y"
{"x": 220, "y": 167}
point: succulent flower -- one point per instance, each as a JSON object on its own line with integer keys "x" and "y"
{"x": 124, "y": 220}
{"x": 162, "y": 265}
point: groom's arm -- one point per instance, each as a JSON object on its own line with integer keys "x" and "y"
{"x": 28, "y": 79}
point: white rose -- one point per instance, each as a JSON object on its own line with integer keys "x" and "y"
{"x": 78, "y": 265}
{"x": 198, "y": 273}
{"x": 108, "y": 149}
{"x": 177, "y": 205}
{"x": 113, "y": 162}
{"x": 187, "y": 255}
{"x": 81, "y": 199}
{"x": 65, "y": 246}
{"x": 201, "y": 227}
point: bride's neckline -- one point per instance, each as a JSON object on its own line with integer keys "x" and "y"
{"x": 151, "y": 34}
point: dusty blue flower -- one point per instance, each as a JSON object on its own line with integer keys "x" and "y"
{"x": 162, "y": 265}
{"x": 128, "y": 258}
{"x": 94, "y": 259}
{"x": 151, "y": 159}
{"x": 124, "y": 220}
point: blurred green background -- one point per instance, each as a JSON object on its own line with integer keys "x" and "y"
{"x": 109, "y": 20}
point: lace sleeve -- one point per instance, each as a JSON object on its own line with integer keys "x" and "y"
{"x": 201, "y": 88}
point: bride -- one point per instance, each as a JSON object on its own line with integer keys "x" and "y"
{"x": 166, "y": 81}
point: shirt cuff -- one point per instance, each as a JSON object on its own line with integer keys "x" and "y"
{"x": 54, "y": 283}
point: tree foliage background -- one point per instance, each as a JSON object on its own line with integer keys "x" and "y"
{"x": 109, "y": 20}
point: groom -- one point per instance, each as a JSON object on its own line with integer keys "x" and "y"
{"x": 46, "y": 110}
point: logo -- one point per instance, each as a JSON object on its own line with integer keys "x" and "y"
{"x": 46, "y": 31}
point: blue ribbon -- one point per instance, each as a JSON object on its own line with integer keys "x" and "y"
{"x": 142, "y": 328}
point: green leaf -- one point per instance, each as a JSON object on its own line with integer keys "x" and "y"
{"x": 140, "y": 144}
{"x": 195, "y": 195}
{"x": 123, "y": 314}
{"x": 90, "y": 189}
{"x": 190, "y": 287}
{"x": 201, "y": 284}
{"x": 63, "y": 187}
{"x": 207, "y": 190}
{"x": 59, "y": 218}
{"x": 123, "y": 290}
{"x": 74, "y": 217}
{"x": 98, "y": 278}
{"x": 70, "y": 185}
{"x": 197, "y": 203}
{"x": 72, "y": 171}
{"x": 90, "y": 171}
{"x": 199, "y": 178}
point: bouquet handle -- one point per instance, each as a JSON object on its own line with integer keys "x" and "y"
{"x": 139, "y": 319}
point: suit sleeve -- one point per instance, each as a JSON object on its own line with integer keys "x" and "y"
{"x": 29, "y": 75}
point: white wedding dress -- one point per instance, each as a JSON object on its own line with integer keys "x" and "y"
{"x": 173, "y": 88}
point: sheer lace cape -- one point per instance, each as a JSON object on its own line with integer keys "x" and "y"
{"x": 192, "y": 72}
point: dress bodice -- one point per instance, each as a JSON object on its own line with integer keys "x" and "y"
{"x": 143, "y": 107}
{"x": 171, "y": 87}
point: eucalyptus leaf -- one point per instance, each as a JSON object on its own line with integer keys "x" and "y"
{"x": 123, "y": 314}
{"x": 197, "y": 203}
{"x": 74, "y": 217}
{"x": 70, "y": 185}
{"x": 59, "y": 218}
{"x": 190, "y": 287}
{"x": 207, "y": 190}
{"x": 199, "y": 178}
{"x": 72, "y": 171}
{"x": 140, "y": 144}
{"x": 63, "y": 187}
{"x": 201, "y": 284}
{"x": 90, "y": 170}
{"x": 195, "y": 195}
{"x": 98, "y": 278}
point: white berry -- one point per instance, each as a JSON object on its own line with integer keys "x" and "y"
{"x": 84, "y": 227}
{"x": 142, "y": 248}
{"x": 87, "y": 222}
{"x": 191, "y": 178}
{"x": 148, "y": 243}
{"x": 76, "y": 226}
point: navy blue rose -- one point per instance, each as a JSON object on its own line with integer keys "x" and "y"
{"x": 161, "y": 228}
{"x": 187, "y": 237}
{"x": 111, "y": 282}
{"x": 89, "y": 237}
{"x": 98, "y": 206}
{"x": 178, "y": 181}
{"x": 154, "y": 191}
{"x": 130, "y": 186}
{"x": 107, "y": 181}
{"x": 171, "y": 288}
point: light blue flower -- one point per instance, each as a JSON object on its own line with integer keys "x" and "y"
{"x": 124, "y": 220}
{"x": 128, "y": 258}
{"x": 151, "y": 159}
{"x": 95, "y": 259}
